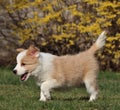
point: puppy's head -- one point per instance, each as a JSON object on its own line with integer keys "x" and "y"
{"x": 27, "y": 62}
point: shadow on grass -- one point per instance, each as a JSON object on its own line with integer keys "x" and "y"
{"x": 85, "y": 98}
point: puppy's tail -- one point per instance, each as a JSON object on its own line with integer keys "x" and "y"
{"x": 100, "y": 42}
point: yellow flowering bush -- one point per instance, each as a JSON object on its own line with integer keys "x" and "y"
{"x": 69, "y": 26}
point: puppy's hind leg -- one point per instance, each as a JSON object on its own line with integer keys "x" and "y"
{"x": 92, "y": 88}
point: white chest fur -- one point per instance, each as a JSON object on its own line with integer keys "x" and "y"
{"x": 44, "y": 70}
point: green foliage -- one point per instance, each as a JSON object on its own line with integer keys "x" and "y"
{"x": 69, "y": 24}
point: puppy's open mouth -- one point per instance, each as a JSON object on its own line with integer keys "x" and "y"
{"x": 24, "y": 76}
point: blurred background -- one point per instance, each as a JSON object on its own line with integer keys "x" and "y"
{"x": 60, "y": 27}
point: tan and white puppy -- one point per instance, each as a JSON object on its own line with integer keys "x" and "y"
{"x": 53, "y": 71}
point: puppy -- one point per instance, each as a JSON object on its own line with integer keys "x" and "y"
{"x": 52, "y": 71}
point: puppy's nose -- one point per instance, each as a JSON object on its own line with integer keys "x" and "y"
{"x": 14, "y": 71}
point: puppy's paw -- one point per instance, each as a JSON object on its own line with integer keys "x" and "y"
{"x": 43, "y": 99}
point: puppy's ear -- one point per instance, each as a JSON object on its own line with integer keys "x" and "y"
{"x": 33, "y": 51}
{"x": 20, "y": 49}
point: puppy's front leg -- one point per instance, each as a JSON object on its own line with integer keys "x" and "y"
{"x": 46, "y": 87}
{"x": 42, "y": 97}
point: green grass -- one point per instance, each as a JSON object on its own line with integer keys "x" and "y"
{"x": 17, "y": 95}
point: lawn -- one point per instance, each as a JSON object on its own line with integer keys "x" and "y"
{"x": 18, "y": 95}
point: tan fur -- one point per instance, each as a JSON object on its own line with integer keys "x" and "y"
{"x": 93, "y": 48}
{"x": 20, "y": 49}
{"x": 32, "y": 51}
{"x": 30, "y": 63}
{"x": 72, "y": 70}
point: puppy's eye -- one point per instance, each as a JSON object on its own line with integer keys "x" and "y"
{"x": 23, "y": 64}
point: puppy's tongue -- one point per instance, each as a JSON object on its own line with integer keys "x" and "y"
{"x": 24, "y": 76}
